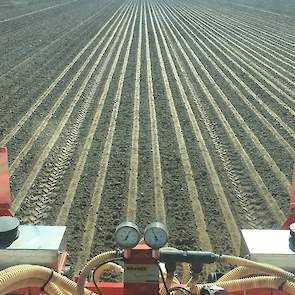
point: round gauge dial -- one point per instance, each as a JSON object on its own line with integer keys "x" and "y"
{"x": 127, "y": 235}
{"x": 155, "y": 235}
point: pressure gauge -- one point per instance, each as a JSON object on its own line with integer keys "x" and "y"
{"x": 127, "y": 235}
{"x": 155, "y": 235}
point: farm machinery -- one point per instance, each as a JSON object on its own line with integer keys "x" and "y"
{"x": 33, "y": 259}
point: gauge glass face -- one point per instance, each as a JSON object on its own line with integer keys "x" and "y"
{"x": 155, "y": 237}
{"x": 127, "y": 237}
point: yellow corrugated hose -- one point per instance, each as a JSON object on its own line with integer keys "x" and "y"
{"x": 107, "y": 267}
{"x": 242, "y": 272}
{"x": 10, "y": 279}
{"x": 266, "y": 282}
{"x": 260, "y": 267}
{"x": 91, "y": 265}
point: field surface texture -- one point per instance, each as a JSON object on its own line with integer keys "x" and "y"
{"x": 144, "y": 110}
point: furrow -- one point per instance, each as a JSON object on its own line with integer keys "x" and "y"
{"x": 157, "y": 169}
{"x": 268, "y": 159}
{"x": 250, "y": 30}
{"x": 45, "y": 192}
{"x": 37, "y": 167}
{"x": 222, "y": 25}
{"x": 46, "y": 28}
{"x": 199, "y": 216}
{"x": 238, "y": 26}
{"x": 263, "y": 191}
{"x": 70, "y": 194}
{"x": 39, "y": 51}
{"x": 229, "y": 219}
{"x": 263, "y": 29}
{"x": 267, "y": 124}
{"x": 230, "y": 165}
{"x": 241, "y": 54}
{"x": 42, "y": 97}
{"x": 88, "y": 235}
{"x": 35, "y": 12}
{"x": 262, "y": 10}
{"x": 262, "y": 86}
{"x": 272, "y": 26}
{"x": 133, "y": 170}
{"x": 70, "y": 85}
{"x": 19, "y": 98}
{"x": 241, "y": 82}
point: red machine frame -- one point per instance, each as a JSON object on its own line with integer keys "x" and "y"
{"x": 5, "y": 210}
{"x": 291, "y": 217}
{"x": 5, "y": 194}
{"x": 140, "y": 254}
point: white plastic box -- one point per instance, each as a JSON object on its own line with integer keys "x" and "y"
{"x": 268, "y": 246}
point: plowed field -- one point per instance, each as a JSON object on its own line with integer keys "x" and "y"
{"x": 176, "y": 111}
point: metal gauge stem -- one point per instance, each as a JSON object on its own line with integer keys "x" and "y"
{"x": 155, "y": 235}
{"x": 127, "y": 235}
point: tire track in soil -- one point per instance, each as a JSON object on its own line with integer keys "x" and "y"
{"x": 263, "y": 173}
{"x": 45, "y": 190}
{"x": 245, "y": 100}
{"x": 256, "y": 178}
{"x": 42, "y": 97}
{"x": 268, "y": 159}
{"x": 280, "y": 175}
{"x": 43, "y": 195}
{"x": 246, "y": 61}
{"x": 198, "y": 213}
{"x": 265, "y": 106}
{"x": 71, "y": 192}
{"x": 42, "y": 158}
{"x": 231, "y": 165}
{"x": 133, "y": 170}
{"x": 21, "y": 102}
{"x": 57, "y": 104}
{"x": 89, "y": 231}
{"x": 186, "y": 16}
{"x": 228, "y": 217}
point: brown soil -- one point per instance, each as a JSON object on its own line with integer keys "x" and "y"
{"x": 216, "y": 117}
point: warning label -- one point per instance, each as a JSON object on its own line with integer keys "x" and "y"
{"x": 141, "y": 273}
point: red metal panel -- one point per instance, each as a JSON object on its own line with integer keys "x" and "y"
{"x": 5, "y": 195}
{"x": 292, "y": 201}
{"x": 260, "y": 292}
{"x": 291, "y": 217}
{"x": 117, "y": 289}
{"x": 62, "y": 262}
{"x": 107, "y": 288}
{"x": 141, "y": 255}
